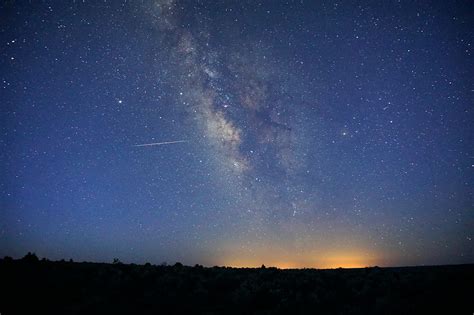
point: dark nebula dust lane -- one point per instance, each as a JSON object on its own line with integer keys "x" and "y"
{"x": 240, "y": 133}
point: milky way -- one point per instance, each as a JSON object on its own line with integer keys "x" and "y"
{"x": 303, "y": 134}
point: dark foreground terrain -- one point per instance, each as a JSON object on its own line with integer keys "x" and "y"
{"x": 45, "y": 287}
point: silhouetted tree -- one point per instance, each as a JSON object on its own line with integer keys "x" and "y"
{"x": 30, "y": 258}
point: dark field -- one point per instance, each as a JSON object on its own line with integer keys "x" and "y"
{"x": 45, "y": 287}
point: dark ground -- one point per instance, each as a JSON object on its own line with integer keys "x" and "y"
{"x": 45, "y": 287}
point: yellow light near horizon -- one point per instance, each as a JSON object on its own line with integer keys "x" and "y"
{"x": 345, "y": 262}
{"x": 323, "y": 261}
{"x": 286, "y": 256}
{"x": 349, "y": 259}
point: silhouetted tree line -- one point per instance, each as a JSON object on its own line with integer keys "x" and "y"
{"x": 36, "y": 286}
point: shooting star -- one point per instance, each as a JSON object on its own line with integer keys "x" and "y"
{"x": 158, "y": 143}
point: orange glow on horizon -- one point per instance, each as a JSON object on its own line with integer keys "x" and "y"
{"x": 328, "y": 260}
{"x": 351, "y": 263}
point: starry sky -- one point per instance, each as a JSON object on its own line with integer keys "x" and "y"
{"x": 239, "y": 133}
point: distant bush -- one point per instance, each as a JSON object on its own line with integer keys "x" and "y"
{"x": 116, "y": 261}
{"x": 30, "y": 258}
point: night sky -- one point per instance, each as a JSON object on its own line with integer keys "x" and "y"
{"x": 238, "y": 133}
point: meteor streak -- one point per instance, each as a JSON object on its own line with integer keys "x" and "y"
{"x": 159, "y": 143}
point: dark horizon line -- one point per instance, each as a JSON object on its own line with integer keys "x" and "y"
{"x": 116, "y": 261}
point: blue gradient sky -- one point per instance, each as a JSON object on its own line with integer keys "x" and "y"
{"x": 317, "y": 135}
